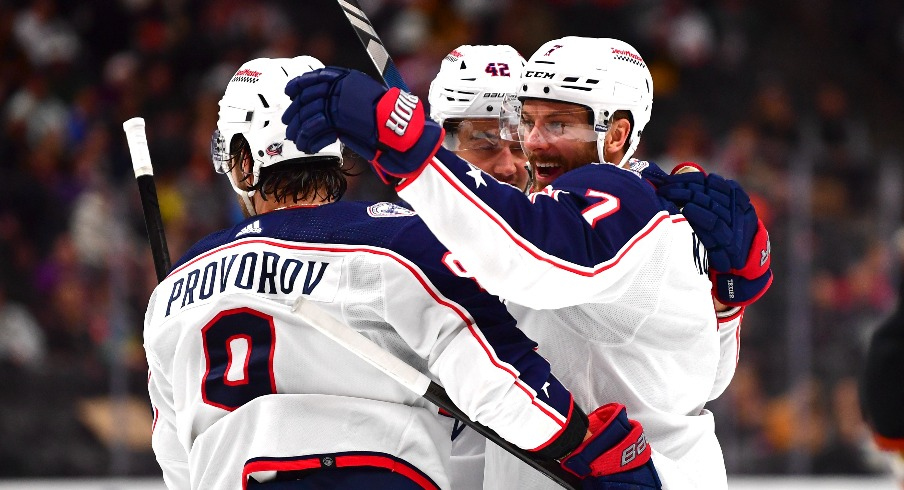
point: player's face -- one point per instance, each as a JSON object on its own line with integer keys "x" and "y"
{"x": 479, "y": 143}
{"x": 557, "y": 137}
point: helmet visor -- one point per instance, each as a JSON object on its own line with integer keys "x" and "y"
{"x": 478, "y": 139}
{"x": 550, "y": 123}
{"x": 219, "y": 152}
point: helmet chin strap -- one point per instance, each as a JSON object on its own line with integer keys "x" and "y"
{"x": 245, "y": 195}
{"x": 601, "y": 145}
{"x": 246, "y": 200}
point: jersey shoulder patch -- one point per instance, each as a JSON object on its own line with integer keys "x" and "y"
{"x": 388, "y": 210}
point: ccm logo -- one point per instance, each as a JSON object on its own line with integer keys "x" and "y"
{"x": 632, "y": 451}
{"x": 401, "y": 114}
{"x": 538, "y": 74}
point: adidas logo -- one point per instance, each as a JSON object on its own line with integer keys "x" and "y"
{"x": 252, "y": 228}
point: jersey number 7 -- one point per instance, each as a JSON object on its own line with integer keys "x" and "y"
{"x": 607, "y": 206}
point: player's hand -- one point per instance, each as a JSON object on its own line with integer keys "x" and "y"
{"x": 723, "y": 218}
{"x": 616, "y": 456}
{"x": 387, "y": 127}
{"x": 734, "y": 290}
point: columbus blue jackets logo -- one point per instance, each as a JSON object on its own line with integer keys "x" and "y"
{"x": 274, "y": 149}
{"x": 388, "y": 210}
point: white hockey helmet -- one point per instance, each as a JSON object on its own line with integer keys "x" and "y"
{"x": 252, "y": 106}
{"x": 602, "y": 74}
{"x": 473, "y": 80}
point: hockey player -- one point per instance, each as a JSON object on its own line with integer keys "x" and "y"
{"x": 246, "y": 395}
{"x": 881, "y": 391}
{"x": 466, "y": 98}
{"x": 614, "y": 283}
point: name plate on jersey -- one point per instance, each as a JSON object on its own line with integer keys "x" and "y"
{"x": 279, "y": 274}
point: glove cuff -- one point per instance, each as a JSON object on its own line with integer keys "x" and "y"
{"x": 687, "y": 167}
{"x": 617, "y": 444}
{"x": 759, "y": 258}
{"x": 422, "y": 152}
{"x": 734, "y": 290}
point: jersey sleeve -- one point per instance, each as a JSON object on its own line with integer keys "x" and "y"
{"x": 170, "y": 454}
{"x": 579, "y": 242}
{"x": 729, "y": 325}
{"x": 488, "y": 366}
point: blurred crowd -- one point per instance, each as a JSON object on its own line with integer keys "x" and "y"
{"x": 799, "y": 100}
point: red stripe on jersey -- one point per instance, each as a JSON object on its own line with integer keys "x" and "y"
{"x": 414, "y": 272}
{"x": 347, "y": 461}
{"x": 391, "y": 464}
{"x": 558, "y": 432}
{"x": 280, "y": 465}
{"x": 530, "y": 248}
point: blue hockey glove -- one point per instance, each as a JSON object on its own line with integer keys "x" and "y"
{"x": 720, "y": 212}
{"x": 734, "y": 290}
{"x": 616, "y": 456}
{"x": 387, "y": 127}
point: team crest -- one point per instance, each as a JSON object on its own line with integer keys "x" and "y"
{"x": 637, "y": 166}
{"x": 274, "y": 149}
{"x": 388, "y": 210}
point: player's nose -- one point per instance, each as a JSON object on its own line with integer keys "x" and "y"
{"x": 534, "y": 139}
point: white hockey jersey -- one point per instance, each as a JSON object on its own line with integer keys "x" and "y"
{"x": 611, "y": 285}
{"x": 242, "y": 388}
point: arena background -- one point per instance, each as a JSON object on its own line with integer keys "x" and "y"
{"x": 799, "y": 100}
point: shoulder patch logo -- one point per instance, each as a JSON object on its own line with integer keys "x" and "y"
{"x": 254, "y": 227}
{"x": 388, "y": 210}
{"x": 637, "y": 166}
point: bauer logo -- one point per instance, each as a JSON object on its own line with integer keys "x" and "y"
{"x": 398, "y": 111}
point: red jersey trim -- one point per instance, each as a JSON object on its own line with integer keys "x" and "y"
{"x": 372, "y": 460}
{"x": 538, "y": 254}
{"x": 422, "y": 280}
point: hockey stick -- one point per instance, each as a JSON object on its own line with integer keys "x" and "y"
{"x": 372, "y": 44}
{"x": 144, "y": 175}
{"x": 417, "y": 382}
{"x": 381, "y": 60}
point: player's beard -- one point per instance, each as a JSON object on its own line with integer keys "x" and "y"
{"x": 585, "y": 156}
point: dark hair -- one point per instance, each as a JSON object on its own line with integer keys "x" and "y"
{"x": 297, "y": 179}
{"x": 304, "y": 178}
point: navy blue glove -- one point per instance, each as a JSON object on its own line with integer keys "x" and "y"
{"x": 616, "y": 456}
{"x": 387, "y": 127}
{"x": 720, "y": 212}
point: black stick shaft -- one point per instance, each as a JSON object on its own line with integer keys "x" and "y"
{"x": 154, "y": 224}
{"x": 437, "y": 395}
{"x": 378, "y": 55}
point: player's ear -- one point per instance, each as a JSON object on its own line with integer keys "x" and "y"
{"x": 617, "y": 137}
